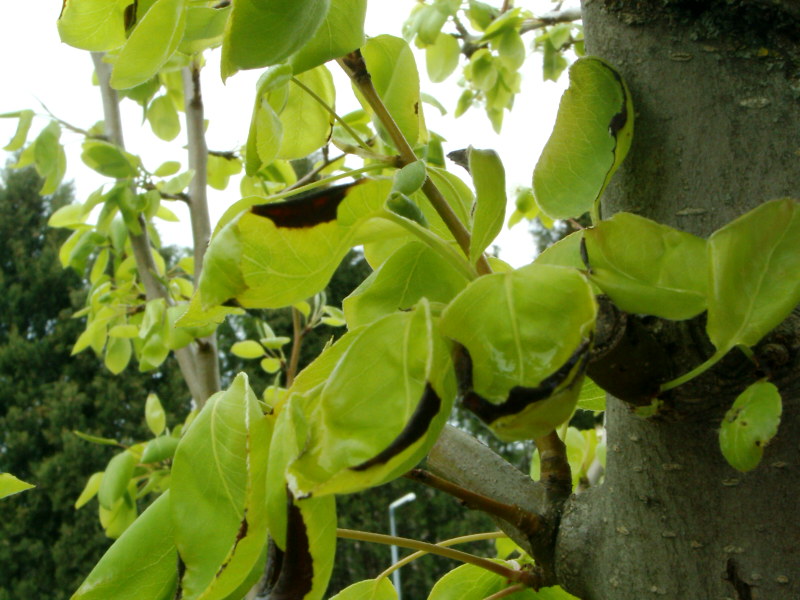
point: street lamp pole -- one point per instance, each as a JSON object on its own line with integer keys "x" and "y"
{"x": 393, "y": 530}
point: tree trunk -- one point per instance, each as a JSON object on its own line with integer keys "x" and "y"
{"x": 716, "y": 90}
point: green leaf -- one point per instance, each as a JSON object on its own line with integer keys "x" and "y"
{"x": 592, "y": 135}
{"x": 566, "y": 252}
{"x": 49, "y": 157}
{"x": 469, "y": 582}
{"x": 356, "y": 442}
{"x": 413, "y": 272}
{"x": 271, "y": 365}
{"x": 248, "y": 349}
{"x": 72, "y": 216}
{"x": 95, "y": 439}
{"x": 23, "y": 127}
{"x": 391, "y": 64}
{"x": 118, "y": 354}
{"x": 648, "y": 268}
{"x": 97, "y": 25}
{"x": 167, "y": 168}
{"x": 10, "y": 485}
{"x": 108, "y": 159}
{"x": 204, "y": 28}
{"x": 308, "y": 121}
{"x": 117, "y": 475}
{"x": 221, "y": 277}
{"x": 341, "y": 32}
{"x": 264, "y": 137}
{"x": 141, "y": 564}
{"x": 218, "y": 486}
{"x": 163, "y": 118}
{"x": 519, "y": 327}
{"x": 152, "y": 42}
{"x": 489, "y": 178}
{"x": 592, "y": 396}
{"x": 370, "y": 589}
{"x": 160, "y": 448}
{"x": 749, "y": 425}
{"x": 89, "y": 490}
{"x": 753, "y": 267}
{"x": 154, "y": 414}
{"x": 441, "y": 58}
{"x": 260, "y": 33}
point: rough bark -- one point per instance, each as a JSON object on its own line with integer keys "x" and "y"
{"x": 716, "y": 90}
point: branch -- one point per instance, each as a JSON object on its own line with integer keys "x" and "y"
{"x": 527, "y": 522}
{"x": 568, "y": 15}
{"x": 556, "y": 475}
{"x": 141, "y": 242}
{"x": 206, "y": 351}
{"x": 355, "y": 67}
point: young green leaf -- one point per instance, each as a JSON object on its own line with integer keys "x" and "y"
{"x": 163, "y": 118}
{"x": 341, "y": 32}
{"x": 410, "y": 178}
{"x": 204, "y": 28}
{"x": 154, "y": 39}
{"x": 11, "y": 485}
{"x": 154, "y": 414}
{"x": 441, "y": 58}
{"x": 308, "y": 122}
{"x": 160, "y": 448}
{"x": 749, "y": 425}
{"x": 89, "y": 490}
{"x": 97, "y": 25}
{"x": 23, "y": 127}
{"x": 753, "y": 267}
{"x": 648, "y": 268}
{"x": 592, "y": 135}
{"x": 248, "y": 349}
{"x": 489, "y": 178}
{"x": 108, "y": 159}
{"x": 116, "y": 478}
{"x": 118, "y": 354}
{"x": 261, "y": 34}
{"x": 141, "y": 564}
{"x": 469, "y": 582}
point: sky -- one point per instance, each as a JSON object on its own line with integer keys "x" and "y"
{"x": 36, "y": 69}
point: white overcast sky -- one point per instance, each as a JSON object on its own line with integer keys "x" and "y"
{"x": 36, "y": 68}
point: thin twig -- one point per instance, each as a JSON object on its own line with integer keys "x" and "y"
{"x": 569, "y": 15}
{"x": 311, "y": 175}
{"x": 332, "y": 112}
{"x": 464, "y": 539}
{"x": 294, "y": 359}
{"x": 355, "y": 67}
{"x": 527, "y": 522}
{"x": 527, "y": 578}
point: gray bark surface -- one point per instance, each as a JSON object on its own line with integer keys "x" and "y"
{"x": 716, "y": 90}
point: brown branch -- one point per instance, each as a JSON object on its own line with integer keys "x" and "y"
{"x": 556, "y": 475}
{"x": 568, "y": 15}
{"x": 527, "y": 522}
{"x": 297, "y": 343}
{"x": 355, "y": 67}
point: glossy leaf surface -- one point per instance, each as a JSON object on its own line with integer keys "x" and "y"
{"x": 648, "y": 268}
{"x": 519, "y": 327}
{"x": 140, "y": 565}
{"x": 591, "y": 137}
{"x": 754, "y": 264}
{"x": 469, "y": 582}
{"x": 749, "y": 425}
